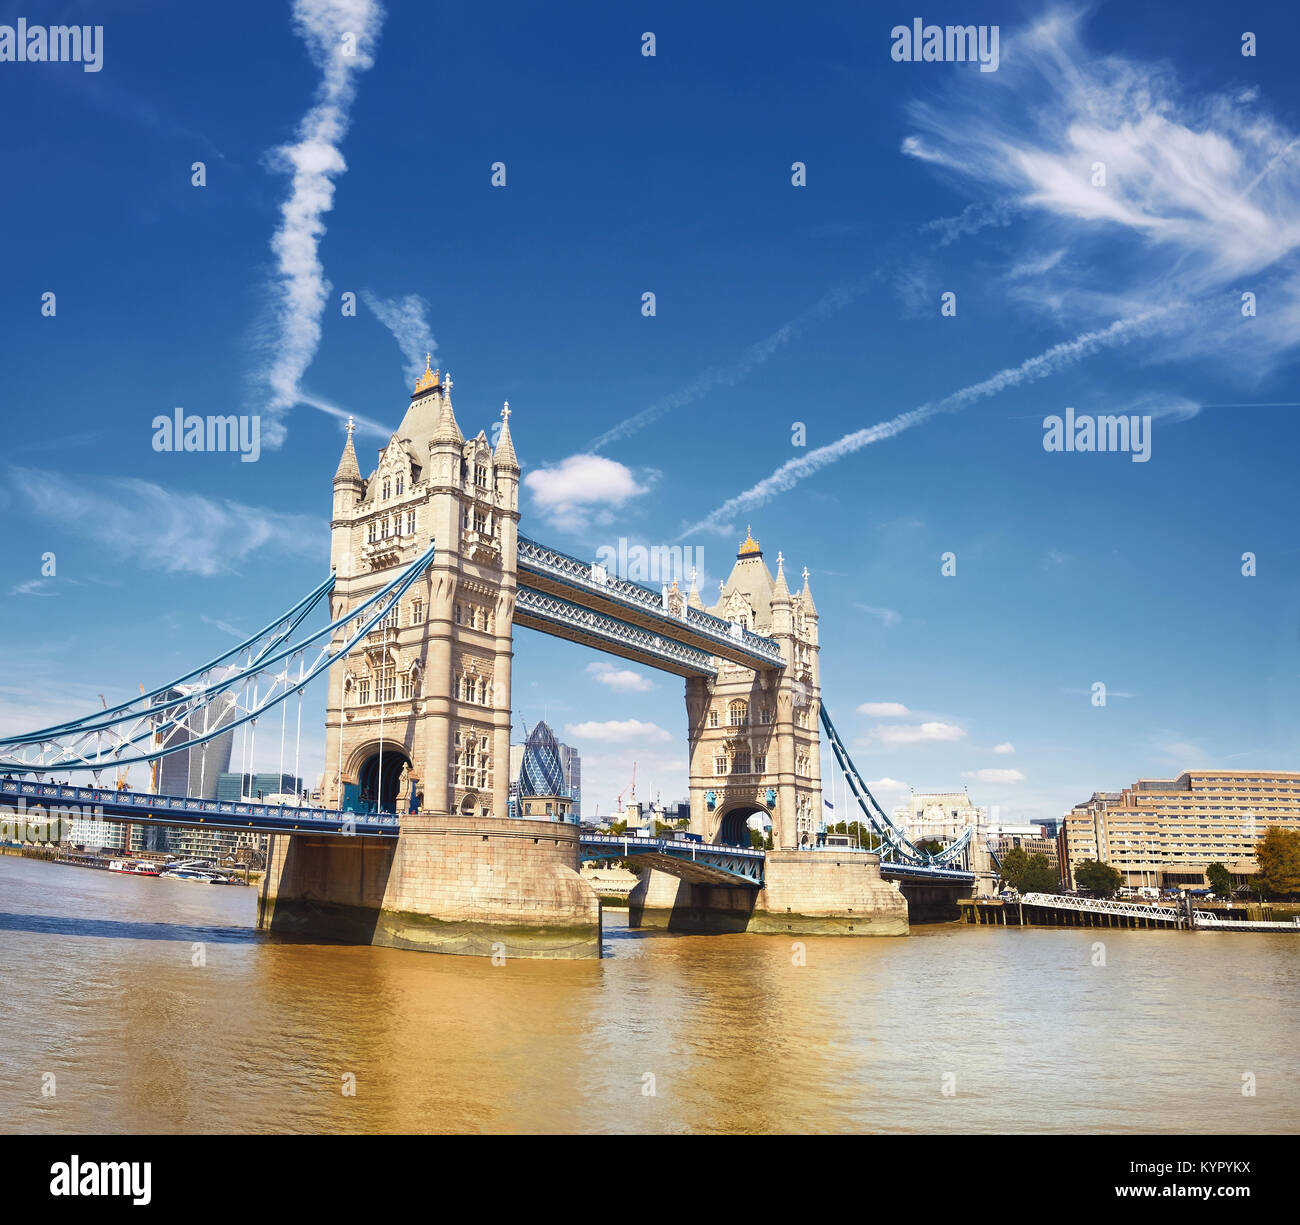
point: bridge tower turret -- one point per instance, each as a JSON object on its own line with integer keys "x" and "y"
{"x": 419, "y": 713}
{"x": 754, "y": 733}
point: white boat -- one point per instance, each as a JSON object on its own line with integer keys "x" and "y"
{"x": 134, "y": 867}
{"x": 201, "y": 875}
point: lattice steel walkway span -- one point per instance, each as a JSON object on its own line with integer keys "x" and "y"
{"x": 233, "y": 689}
{"x": 591, "y": 587}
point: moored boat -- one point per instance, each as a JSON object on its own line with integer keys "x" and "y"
{"x": 134, "y": 867}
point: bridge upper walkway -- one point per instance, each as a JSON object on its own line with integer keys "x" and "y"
{"x": 586, "y": 586}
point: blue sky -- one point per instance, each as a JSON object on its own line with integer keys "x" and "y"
{"x": 775, "y": 305}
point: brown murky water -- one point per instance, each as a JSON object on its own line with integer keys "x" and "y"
{"x": 98, "y": 987}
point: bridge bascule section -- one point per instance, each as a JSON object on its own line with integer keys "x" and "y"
{"x": 419, "y": 649}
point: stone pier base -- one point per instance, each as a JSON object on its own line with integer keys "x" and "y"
{"x": 809, "y": 893}
{"x": 463, "y": 885}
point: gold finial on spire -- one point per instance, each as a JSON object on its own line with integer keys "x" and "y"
{"x": 750, "y": 547}
{"x": 429, "y": 379}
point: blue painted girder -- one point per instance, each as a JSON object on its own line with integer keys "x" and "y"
{"x": 698, "y": 862}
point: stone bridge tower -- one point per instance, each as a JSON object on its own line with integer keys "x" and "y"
{"x": 755, "y": 745}
{"x": 418, "y": 715}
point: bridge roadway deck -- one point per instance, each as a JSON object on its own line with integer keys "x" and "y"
{"x": 698, "y": 862}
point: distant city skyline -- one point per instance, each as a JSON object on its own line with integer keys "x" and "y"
{"x": 865, "y": 368}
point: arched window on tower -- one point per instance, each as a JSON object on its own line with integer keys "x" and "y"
{"x": 738, "y": 713}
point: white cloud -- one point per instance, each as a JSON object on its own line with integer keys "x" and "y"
{"x": 917, "y": 733}
{"x": 617, "y": 731}
{"x": 1005, "y": 748}
{"x": 888, "y": 786}
{"x": 35, "y": 586}
{"x": 571, "y": 492}
{"x": 994, "y": 776}
{"x": 1036, "y": 265}
{"x": 624, "y": 680}
{"x": 407, "y": 319}
{"x": 160, "y": 529}
{"x": 884, "y": 710}
{"x": 973, "y": 218}
{"x": 888, "y": 617}
{"x": 1201, "y": 198}
{"x": 313, "y": 162}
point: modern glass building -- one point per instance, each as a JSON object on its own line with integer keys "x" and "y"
{"x": 571, "y": 771}
{"x": 543, "y": 793}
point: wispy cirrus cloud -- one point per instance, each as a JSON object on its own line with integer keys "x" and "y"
{"x": 889, "y": 617}
{"x": 162, "y": 529}
{"x": 340, "y": 37}
{"x": 1200, "y": 203}
{"x": 407, "y": 319}
{"x": 1172, "y": 194}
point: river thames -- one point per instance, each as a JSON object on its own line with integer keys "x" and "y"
{"x": 953, "y": 1029}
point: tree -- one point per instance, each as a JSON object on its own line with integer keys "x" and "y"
{"x": 1015, "y": 863}
{"x": 1220, "y": 879}
{"x": 1040, "y": 876}
{"x": 1278, "y": 856}
{"x": 1098, "y": 878}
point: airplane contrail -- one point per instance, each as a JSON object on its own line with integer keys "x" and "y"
{"x": 724, "y": 376}
{"x": 789, "y": 474}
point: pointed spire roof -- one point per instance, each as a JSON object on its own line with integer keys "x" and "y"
{"x": 806, "y": 594}
{"x": 693, "y": 599}
{"x": 780, "y": 589}
{"x": 348, "y": 469}
{"x": 428, "y": 381}
{"x": 504, "y": 456}
{"x": 447, "y": 430}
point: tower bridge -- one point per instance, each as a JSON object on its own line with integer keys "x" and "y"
{"x": 411, "y": 845}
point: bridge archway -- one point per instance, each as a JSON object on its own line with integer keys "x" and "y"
{"x": 378, "y": 787}
{"x": 733, "y": 827}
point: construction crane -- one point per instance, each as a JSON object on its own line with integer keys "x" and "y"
{"x": 632, "y": 788}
